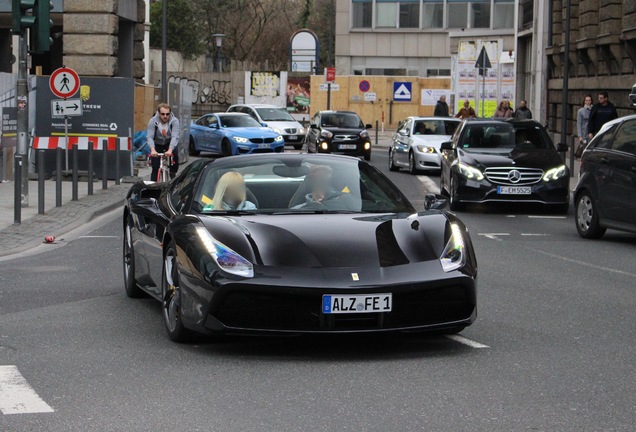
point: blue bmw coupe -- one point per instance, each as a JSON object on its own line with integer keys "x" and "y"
{"x": 232, "y": 134}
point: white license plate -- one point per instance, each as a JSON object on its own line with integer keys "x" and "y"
{"x": 347, "y": 146}
{"x": 514, "y": 190}
{"x": 356, "y": 303}
{"x": 292, "y": 137}
{"x": 264, "y": 146}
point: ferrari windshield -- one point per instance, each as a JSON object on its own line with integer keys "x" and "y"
{"x": 267, "y": 184}
{"x": 236, "y": 121}
{"x": 275, "y": 114}
{"x": 505, "y": 136}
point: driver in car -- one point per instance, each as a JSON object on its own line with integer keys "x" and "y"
{"x": 319, "y": 183}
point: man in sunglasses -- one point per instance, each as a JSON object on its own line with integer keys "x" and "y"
{"x": 163, "y": 137}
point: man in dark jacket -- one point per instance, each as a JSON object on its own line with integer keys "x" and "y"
{"x": 523, "y": 112}
{"x": 441, "y": 109}
{"x": 162, "y": 136}
{"x": 601, "y": 113}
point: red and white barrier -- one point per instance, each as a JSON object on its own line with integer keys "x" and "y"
{"x": 82, "y": 143}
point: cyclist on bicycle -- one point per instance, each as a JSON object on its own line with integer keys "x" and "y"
{"x": 163, "y": 137}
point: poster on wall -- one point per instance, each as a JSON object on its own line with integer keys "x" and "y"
{"x": 265, "y": 84}
{"x": 298, "y": 95}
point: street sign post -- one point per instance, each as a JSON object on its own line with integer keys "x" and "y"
{"x": 483, "y": 64}
{"x": 66, "y": 107}
{"x": 64, "y": 83}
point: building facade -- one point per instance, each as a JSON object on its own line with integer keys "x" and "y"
{"x": 415, "y": 37}
{"x": 602, "y": 55}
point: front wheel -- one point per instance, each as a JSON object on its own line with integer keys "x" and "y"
{"x": 226, "y": 148}
{"x": 171, "y": 298}
{"x": 130, "y": 283}
{"x": 367, "y": 156}
{"x": 412, "y": 165}
{"x": 192, "y": 149}
{"x": 587, "y": 223}
{"x": 392, "y": 166}
{"x": 455, "y": 204}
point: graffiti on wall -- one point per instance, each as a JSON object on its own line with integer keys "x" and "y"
{"x": 216, "y": 92}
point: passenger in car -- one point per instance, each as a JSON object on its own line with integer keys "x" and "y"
{"x": 230, "y": 194}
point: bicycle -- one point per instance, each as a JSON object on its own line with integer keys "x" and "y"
{"x": 163, "y": 174}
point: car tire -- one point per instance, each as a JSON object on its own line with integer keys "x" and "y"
{"x": 367, "y": 156}
{"x": 442, "y": 185}
{"x": 412, "y": 167}
{"x": 455, "y": 204}
{"x": 171, "y": 298}
{"x": 128, "y": 254}
{"x": 586, "y": 216}
{"x": 192, "y": 149}
{"x": 226, "y": 147}
{"x": 392, "y": 166}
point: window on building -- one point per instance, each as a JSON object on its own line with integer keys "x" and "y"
{"x": 433, "y": 14}
{"x": 438, "y": 72}
{"x": 457, "y": 14}
{"x": 480, "y": 14}
{"x": 527, "y": 13}
{"x": 410, "y": 14}
{"x": 504, "y": 14}
{"x": 385, "y": 72}
{"x": 386, "y": 14}
{"x": 362, "y": 12}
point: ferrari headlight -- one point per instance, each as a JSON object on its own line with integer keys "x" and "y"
{"x": 227, "y": 260}
{"x": 425, "y": 149}
{"x": 240, "y": 139}
{"x": 279, "y": 138}
{"x": 469, "y": 172}
{"x": 555, "y": 173}
{"x": 454, "y": 255}
{"x": 326, "y": 134}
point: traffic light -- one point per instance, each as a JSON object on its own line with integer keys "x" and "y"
{"x": 20, "y": 18}
{"x": 41, "y": 33}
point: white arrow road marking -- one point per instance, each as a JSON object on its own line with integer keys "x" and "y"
{"x": 493, "y": 236}
{"x": 468, "y": 342}
{"x": 430, "y": 185}
{"x": 17, "y": 396}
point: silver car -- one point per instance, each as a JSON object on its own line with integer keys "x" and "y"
{"x": 277, "y": 119}
{"x": 416, "y": 143}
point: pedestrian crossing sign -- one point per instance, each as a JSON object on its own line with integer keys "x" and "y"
{"x": 402, "y": 91}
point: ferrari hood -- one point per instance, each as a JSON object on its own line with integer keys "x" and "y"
{"x": 332, "y": 240}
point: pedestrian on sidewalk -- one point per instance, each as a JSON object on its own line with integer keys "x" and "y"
{"x": 162, "y": 136}
{"x": 441, "y": 108}
{"x": 601, "y": 113}
{"x": 503, "y": 110}
{"x": 523, "y": 112}
{"x": 582, "y": 120}
{"x": 466, "y": 111}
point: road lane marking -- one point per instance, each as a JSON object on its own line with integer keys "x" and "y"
{"x": 546, "y": 217}
{"x": 465, "y": 341}
{"x": 583, "y": 263}
{"x": 430, "y": 185}
{"x": 17, "y": 396}
{"x": 511, "y": 216}
{"x": 534, "y": 235}
{"x": 493, "y": 236}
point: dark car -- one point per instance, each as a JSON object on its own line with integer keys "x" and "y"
{"x": 318, "y": 244}
{"x": 605, "y": 196}
{"x": 338, "y": 132}
{"x": 503, "y": 161}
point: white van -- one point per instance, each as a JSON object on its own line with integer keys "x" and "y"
{"x": 277, "y": 119}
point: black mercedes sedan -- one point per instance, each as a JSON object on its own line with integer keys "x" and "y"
{"x": 605, "y": 196}
{"x": 295, "y": 244}
{"x": 503, "y": 161}
{"x": 338, "y": 132}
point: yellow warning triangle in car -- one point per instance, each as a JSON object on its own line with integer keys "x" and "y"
{"x": 206, "y": 200}
{"x": 346, "y": 190}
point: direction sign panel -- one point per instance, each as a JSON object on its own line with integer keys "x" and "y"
{"x": 324, "y": 87}
{"x": 66, "y": 107}
{"x": 402, "y": 91}
{"x": 64, "y": 82}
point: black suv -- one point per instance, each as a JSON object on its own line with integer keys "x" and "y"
{"x": 605, "y": 196}
{"x": 338, "y": 132}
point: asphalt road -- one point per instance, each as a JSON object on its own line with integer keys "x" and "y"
{"x": 551, "y": 350}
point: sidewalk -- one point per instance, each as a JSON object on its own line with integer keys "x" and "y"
{"x": 56, "y": 221}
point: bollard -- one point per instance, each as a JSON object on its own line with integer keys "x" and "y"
{"x": 75, "y": 173}
{"x": 117, "y": 161}
{"x": 40, "y": 181}
{"x": 58, "y": 177}
{"x": 90, "y": 169}
{"x": 17, "y": 196}
{"x": 104, "y": 164}
{"x": 376, "y": 132}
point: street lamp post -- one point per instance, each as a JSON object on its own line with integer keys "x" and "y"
{"x": 218, "y": 41}
{"x": 164, "y": 49}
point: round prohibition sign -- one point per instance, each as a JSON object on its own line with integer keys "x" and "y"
{"x": 364, "y": 86}
{"x": 64, "y": 82}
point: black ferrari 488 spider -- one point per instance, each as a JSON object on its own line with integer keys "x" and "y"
{"x": 292, "y": 244}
